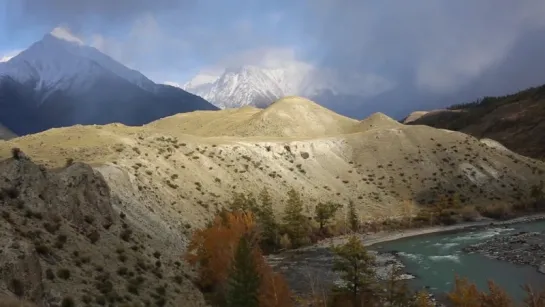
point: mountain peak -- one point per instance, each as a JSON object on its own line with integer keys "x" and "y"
{"x": 59, "y": 81}
{"x": 61, "y": 61}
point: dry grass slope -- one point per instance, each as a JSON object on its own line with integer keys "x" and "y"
{"x": 182, "y": 169}
{"x": 289, "y": 117}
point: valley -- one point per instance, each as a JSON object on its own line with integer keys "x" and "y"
{"x": 272, "y": 154}
{"x": 172, "y": 176}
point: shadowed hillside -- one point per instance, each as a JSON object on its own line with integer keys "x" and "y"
{"x": 514, "y": 120}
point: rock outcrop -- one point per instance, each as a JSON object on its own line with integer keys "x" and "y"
{"x": 63, "y": 239}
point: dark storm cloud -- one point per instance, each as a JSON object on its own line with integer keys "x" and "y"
{"x": 77, "y": 13}
{"x": 432, "y": 49}
{"x": 108, "y": 9}
{"x": 443, "y": 43}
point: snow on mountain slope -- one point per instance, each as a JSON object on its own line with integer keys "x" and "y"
{"x": 60, "y": 63}
{"x": 248, "y": 85}
{"x": 259, "y": 86}
{"x": 59, "y": 82}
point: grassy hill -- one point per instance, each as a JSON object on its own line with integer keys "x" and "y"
{"x": 191, "y": 163}
{"x": 514, "y": 120}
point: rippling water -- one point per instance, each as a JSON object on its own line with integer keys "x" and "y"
{"x": 436, "y": 259}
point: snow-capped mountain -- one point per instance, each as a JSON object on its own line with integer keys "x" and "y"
{"x": 258, "y": 86}
{"x": 61, "y": 82}
{"x": 248, "y": 85}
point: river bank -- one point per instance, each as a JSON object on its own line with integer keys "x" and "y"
{"x": 309, "y": 269}
{"x": 521, "y": 248}
{"x": 370, "y": 239}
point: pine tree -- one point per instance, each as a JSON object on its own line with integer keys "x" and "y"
{"x": 295, "y": 222}
{"x": 244, "y": 203}
{"x": 324, "y": 213}
{"x": 267, "y": 220}
{"x": 356, "y": 267}
{"x": 353, "y": 220}
{"x": 244, "y": 280}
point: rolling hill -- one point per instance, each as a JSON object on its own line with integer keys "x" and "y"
{"x": 202, "y": 157}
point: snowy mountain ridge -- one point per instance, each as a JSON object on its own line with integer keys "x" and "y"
{"x": 260, "y": 86}
{"x": 59, "y": 82}
{"x": 247, "y": 85}
{"x": 60, "y": 63}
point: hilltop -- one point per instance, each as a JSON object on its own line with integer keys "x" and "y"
{"x": 514, "y": 120}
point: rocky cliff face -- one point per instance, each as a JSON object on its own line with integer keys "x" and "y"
{"x": 63, "y": 238}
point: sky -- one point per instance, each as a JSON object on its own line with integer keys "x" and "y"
{"x": 423, "y": 48}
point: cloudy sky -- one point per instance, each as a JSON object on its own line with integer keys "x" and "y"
{"x": 423, "y": 47}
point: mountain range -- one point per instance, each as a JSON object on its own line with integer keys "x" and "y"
{"x": 58, "y": 82}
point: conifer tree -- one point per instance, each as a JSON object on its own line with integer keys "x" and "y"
{"x": 241, "y": 202}
{"x": 269, "y": 235}
{"x": 324, "y": 212}
{"x": 295, "y": 222}
{"x": 353, "y": 220}
{"x": 356, "y": 267}
{"x": 244, "y": 280}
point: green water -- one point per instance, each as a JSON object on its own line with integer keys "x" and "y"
{"x": 436, "y": 259}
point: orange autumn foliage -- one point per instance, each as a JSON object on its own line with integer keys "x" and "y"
{"x": 274, "y": 291}
{"x": 465, "y": 294}
{"x": 212, "y": 249}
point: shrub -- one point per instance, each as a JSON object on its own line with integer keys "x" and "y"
{"x": 16, "y": 153}
{"x": 49, "y": 274}
{"x": 68, "y": 302}
{"x": 125, "y": 234}
{"x": 63, "y": 273}
{"x": 69, "y": 162}
{"x": 17, "y": 287}
{"x": 93, "y": 236}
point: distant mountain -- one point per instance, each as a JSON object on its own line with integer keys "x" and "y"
{"x": 259, "y": 87}
{"x": 248, "y": 85}
{"x": 515, "y": 121}
{"x": 57, "y": 82}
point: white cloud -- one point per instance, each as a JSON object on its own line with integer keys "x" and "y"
{"x": 146, "y": 47}
{"x": 172, "y": 84}
{"x": 66, "y": 34}
{"x": 307, "y": 78}
{"x": 9, "y": 55}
